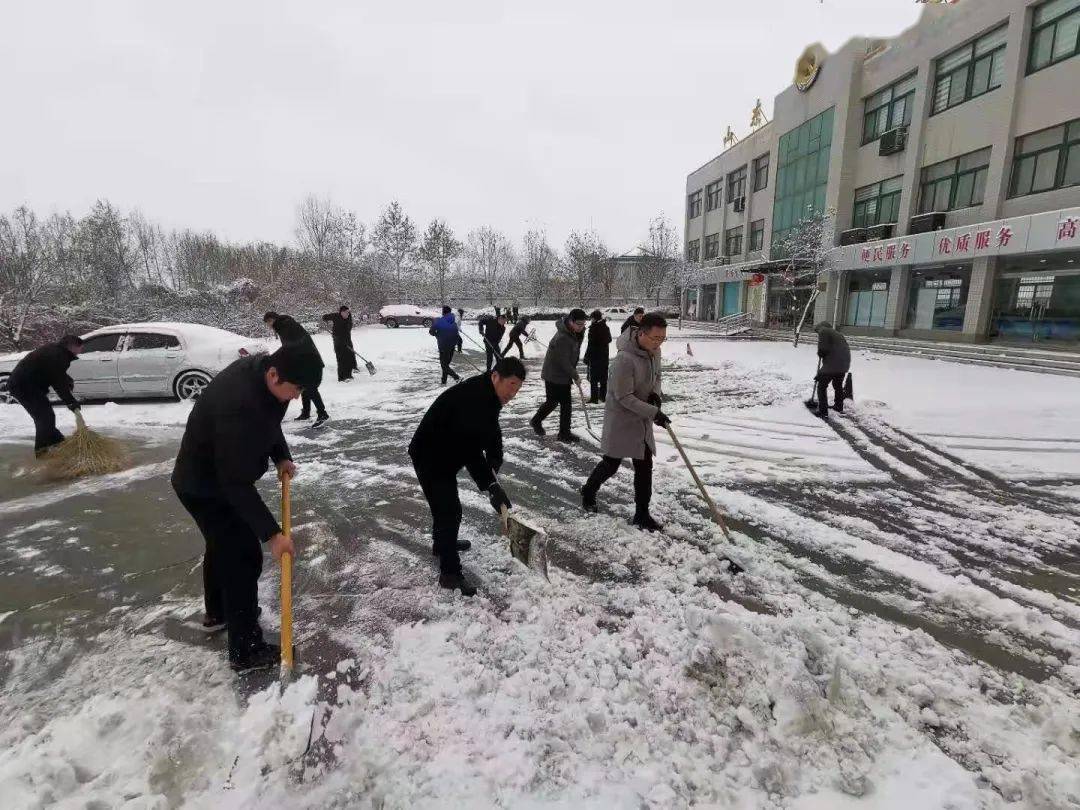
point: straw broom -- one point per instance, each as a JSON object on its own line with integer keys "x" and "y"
{"x": 84, "y": 452}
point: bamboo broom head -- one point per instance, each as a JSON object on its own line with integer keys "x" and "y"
{"x": 84, "y": 452}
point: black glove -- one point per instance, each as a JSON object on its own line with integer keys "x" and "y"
{"x": 498, "y": 499}
{"x": 661, "y": 419}
{"x": 654, "y": 399}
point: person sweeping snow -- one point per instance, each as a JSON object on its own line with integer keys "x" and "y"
{"x": 558, "y": 372}
{"x": 44, "y": 368}
{"x": 231, "y": 433}
{"x": 292, "y": 333}
{"x": 341, "y": 325}
{"x": 514, "y": 339}
{"x": 447, "y": 337}
{"x": 461, "y": 429}
{"x": 835, "y": 356}
{"x": 632, "y": 408}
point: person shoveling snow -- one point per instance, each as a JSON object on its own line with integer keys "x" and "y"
{"x": 44, "y": 368}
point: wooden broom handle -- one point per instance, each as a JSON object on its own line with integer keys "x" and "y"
{"x": 286, "y": 581}
{"x": 704, "y": 493}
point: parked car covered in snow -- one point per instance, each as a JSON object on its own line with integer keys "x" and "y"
{"x": 394, "y": 315}
{"x": 147, "y": 360}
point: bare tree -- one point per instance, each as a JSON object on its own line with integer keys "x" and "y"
{"x": 150, "y": 247}
{"x": 608, "y": 275}
{"x": 438, "y": 249}
{"x": 661, "y": 251}
{"x": 808, "y": 248}
{"x": 394, "y": 239}
{"x": 538, "y": 262}
{"x": 585, "y": 254}
{"x": 23, "y": 274}
{"x": 491, "y": 258}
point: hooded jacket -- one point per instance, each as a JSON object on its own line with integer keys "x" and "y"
{"x": 445, "y": 330}
{"x": 628, "y": 425}
{"x": 560, "y": 362}
{"x": 832, "y": 348}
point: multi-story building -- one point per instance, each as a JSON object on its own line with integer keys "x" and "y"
{"x": 946, "y": 165}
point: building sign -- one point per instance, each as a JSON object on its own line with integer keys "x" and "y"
{"x": 807, "y": 67}
{"x": 1067, "y": 231}
{"x": 887, "y": 253}
{"x": 984, "y": 239}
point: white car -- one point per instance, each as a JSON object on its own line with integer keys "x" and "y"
{"x": 147, "y": 360}
{"x": 394, "y": 315}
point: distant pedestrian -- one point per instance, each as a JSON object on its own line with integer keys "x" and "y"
{"x": 633, "y": 320}
{"x": 447, "y": 337}
{"x": 461, "y": 429}
{"x": 29, "y": 383}
{"x": 835, "y": 357}
{"x": 515, "y": 314}
{"x": 291, "y": 333}
{"x": 629, "y": 415}
{"x": 341, "y": 326}
{"x": 596, "y": 357}
{"x": 493, "y": 335}
{"x": 515, "y": 336}
{"x": 459, "y": 318}
{"x": 559, "y": 371}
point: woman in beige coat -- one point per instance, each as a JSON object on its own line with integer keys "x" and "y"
{"x": 632, "y": 408}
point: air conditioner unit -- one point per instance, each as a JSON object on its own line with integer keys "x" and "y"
{"x": 879, "y": 232}
{"x": 893, "y": 141}
{"x": 740, "y": 203}
{"x": 853, "y": 236}
{"x": 924, "y": 223}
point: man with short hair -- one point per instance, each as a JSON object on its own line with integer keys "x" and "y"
{"x": 291, "y": 333}
{"x": 232, "y": 432}
{"x": 633, "y": 320}
{"x": 493, "y": 335}
{"x": 44, "y": 368}
{"x": 559, "y": 371}
{"x": 341, "y": 326}
{"x": 632, "y": 409}
{"x": 835, "y": 361}
{"x": 461, "y": 429}
{"x": 596, "y": 357}
{"x": 447, "y": 337}
{"x": 515, "y": 336}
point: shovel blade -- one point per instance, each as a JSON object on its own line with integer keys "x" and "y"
{"x": 370, "y": 367}
{"x": 528, "y": 544}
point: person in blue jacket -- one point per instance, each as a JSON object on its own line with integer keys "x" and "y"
{"x": 445, "y": 332}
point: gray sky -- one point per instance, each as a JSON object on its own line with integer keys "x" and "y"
{"x": 223, "y": 115}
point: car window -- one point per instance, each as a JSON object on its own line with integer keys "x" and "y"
{"x": 149, "y": 340}
{"x": 101, "y": 343}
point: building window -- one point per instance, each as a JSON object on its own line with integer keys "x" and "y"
{"x": 693, "y": 250}
{"x": 888, "y": 108}
{"x": 693, "y": 205}
{"x": 712, "y": 195}
{"x": 736, "y": 184}
{"x": 757, "y": 234}
{"x": 712, "y": 246}
{"x": 761, "y": 170}
{"x": 733, "y": 241}
{"x": 1055, "y": 33}
{"x": 877, "y": 203}
{"x": 1046, "y": 160}
{"x": 956, "y": 183}
{"x": 970, "y": 71}
{"x": 802, "y": 175}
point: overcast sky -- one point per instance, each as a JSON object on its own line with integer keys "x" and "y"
{"x": 223, "y": 115}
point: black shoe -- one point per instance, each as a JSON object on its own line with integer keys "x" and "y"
{"x": 644, "y": 521}
{"x": 212, "y": 624}
{"x": 588, "y": 503}
{"x": 537, "y": 426}
{"x": 462, "y": 545}
{"x": 302, "y": 417}
{"x": 457, "y": 582}
{"x": 569, "y": 438}
{"x": 320, "y": 419}
{"x": 839, "y": 408}
{"x": 262, "y": 656}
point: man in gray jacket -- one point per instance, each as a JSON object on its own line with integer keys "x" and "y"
{"x": 559, "y": 371}
{"x": 631, "y": 410}
{"x": 835, "y": 357}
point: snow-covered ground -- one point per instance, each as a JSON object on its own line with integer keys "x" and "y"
{"x": 906, "y": 633}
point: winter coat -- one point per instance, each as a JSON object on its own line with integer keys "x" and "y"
{"x": 628, "y": 425}
{"x": 832, "y": 348}
{"x": 44, "y": 368}
{"x": 596, "y": 349}
{"x": 493, "y": 333}
{"x": 292, "y": 333}
{"x": 445, "y": 331}
{"x": 518, "y": 330}
{"x": 461, "y": 429}
{"x": 340, "y": 328}
{"x": 560, "y": 362}
{"x": 231, "y": 434}
{"x": 627, "y": 324}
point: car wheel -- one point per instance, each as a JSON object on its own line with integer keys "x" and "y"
{"x": 392, "y": 323}
{"x": 190, "y": 385}
{"x": 426, "y": 323}
{"x": 5, "y": 395}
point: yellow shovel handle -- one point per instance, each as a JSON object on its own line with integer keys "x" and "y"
{"x": 286, "y": 581}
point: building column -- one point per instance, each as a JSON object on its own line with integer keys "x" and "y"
{"x": 831, "y": 301}
{"x": 719, "y": 301}
{"x": 899, "y": 289}
{"x": 980, "y": 300}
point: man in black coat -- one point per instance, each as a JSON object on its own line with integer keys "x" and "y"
{"x": 44, "y": 368}
{"x": 633, "y": 320}
{"x": 461, "y": 429}
{"x": 493, "y": 335}
{"x": 515, "y": 336}
{"x": 292, "y": 333}
{"x": 232, "y": 432}
{"x": 835, "y": 361}
{"x": 596, "y": 357}
{"x": 341, "y": 328}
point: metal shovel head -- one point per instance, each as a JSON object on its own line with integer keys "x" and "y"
{"x": 528, "y": 543}
{"x": 370, "y": 367}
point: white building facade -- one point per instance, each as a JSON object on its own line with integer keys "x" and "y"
{"x": 947, "y": 163}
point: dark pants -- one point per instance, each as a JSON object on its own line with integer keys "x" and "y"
{"x": 445, "y": 356}
{"x": 558, "y": 396}
{"x": 598, "y": 374}
{"x": 231, "y": 568}
{"x": 346, "y": 361}
{"x": 493, "y": 354}
{"x": 515, "y": 342}
{"x": 608, "y": 466}
{"x": 823, "y": 381}
{"x": 36, "y": 403}
{"x": 309, "y": 395}
{"x": 441, "y": 492}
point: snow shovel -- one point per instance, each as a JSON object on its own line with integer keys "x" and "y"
{"x": 585, "y": 408}
{"x": 812, "y": 402}
{"x": 286, "y": 586}
{"x": 528, "y": 543}
{"x": 367, "y": 363}
{"x": 532, "y": 336}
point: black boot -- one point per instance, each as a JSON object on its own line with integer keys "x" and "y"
{"x": 645, "y": 522}
{"x": 462, "y": 545}
{"x": 588, "y": 499}
{"x": 569, "y": 438}
{"x": 539, "y": 428}
{"x": 322, "y": 417}
{"x": 457, "y": 582}
{"x": 302, "y": 417}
